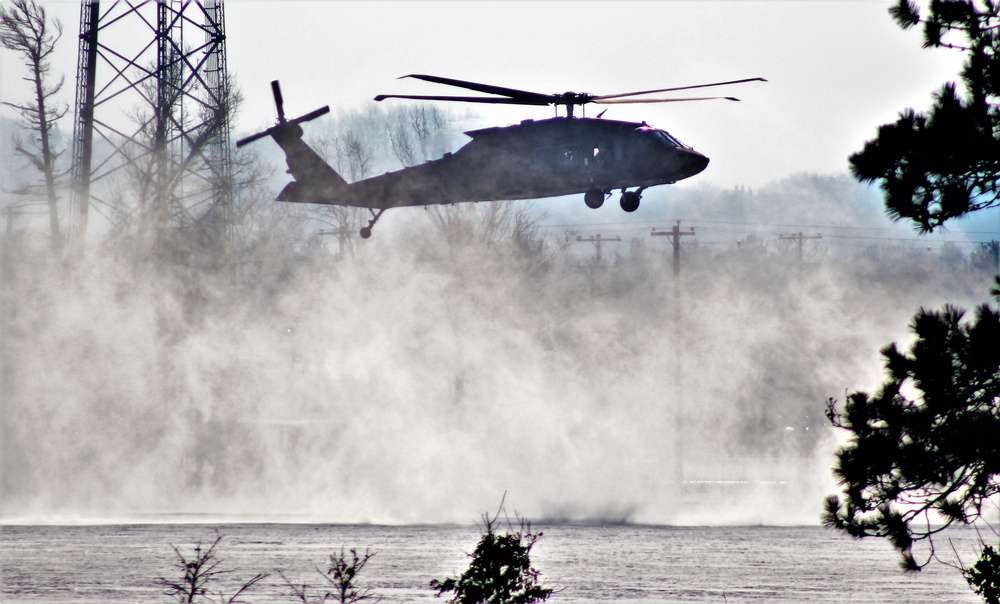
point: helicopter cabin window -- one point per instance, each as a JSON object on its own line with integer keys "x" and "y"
{"x": 576, "y": 156}
{"x": 563, "y": 156}
{"x": 568, "y": 157}
{"x": 606, "y": 152}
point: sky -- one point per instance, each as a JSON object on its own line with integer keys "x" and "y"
{"x": 835, "y": 69}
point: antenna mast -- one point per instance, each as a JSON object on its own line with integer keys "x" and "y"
{"x": 151, "y": 148}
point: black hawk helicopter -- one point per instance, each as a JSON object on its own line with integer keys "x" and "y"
{"x": 534, "y": 159}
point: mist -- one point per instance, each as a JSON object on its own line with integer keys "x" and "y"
{"x": 420, "y": 375}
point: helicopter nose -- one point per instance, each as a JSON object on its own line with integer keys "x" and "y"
{"x": 691, "y": 162}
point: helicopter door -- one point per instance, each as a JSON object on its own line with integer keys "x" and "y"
{"x": 561, "y": 167}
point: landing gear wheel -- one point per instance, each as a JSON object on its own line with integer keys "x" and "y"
{"x": 594, "y": 198}
{"x": 366, "y": 231}
{"x": 630, "y": 201}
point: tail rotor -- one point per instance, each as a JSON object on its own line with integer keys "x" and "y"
{"x": 283, "y": 125}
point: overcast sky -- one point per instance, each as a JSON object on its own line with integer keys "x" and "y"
{"x": 836, "y": 70}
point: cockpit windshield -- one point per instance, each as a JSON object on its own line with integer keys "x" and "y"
{"x": 670, "y": 139}
{"x": 663, "y": 135}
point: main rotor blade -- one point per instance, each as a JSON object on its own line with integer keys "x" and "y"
{"x": 615, "y": 101}
{"x": 467, "y": 99}
{"x": 487, "y": 88}
{"x": 624, "y": 94}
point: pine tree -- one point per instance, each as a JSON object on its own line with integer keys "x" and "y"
{"x": 944, "y": 163}
{"x": 500, "y": 571}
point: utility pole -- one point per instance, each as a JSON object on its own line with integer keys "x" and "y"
{"x": 8, "y": 212}
{"x": 597, "y": 240}
{"x": 5, "y": 250}
{"x": 342, "y": 234}
{"x": 675, "y": 234}
{"x": 799, "y": 238}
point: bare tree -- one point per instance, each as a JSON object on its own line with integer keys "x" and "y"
{"x": 424, "y": 121}
{"x": 199, "y": 574}
{"x": 167, "y": 198}
{"x": 264, "y": 234}
{"x": 343, "y": 219}
{"x": 359, "y": 144}
{"x": 341, "y": 578}
{"x": 360, "y": 156}
{"x": 411, "y": 132}
{"x": 490, "y": 224}
{"x": 402, "y": 145}
{"x": 26, "y": 29}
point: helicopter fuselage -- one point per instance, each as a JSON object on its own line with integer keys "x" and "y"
{"x": 533, "y": 159}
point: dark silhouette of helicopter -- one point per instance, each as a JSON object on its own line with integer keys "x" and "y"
{"x": 534, "y": 159}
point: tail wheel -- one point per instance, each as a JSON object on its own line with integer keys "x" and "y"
{"x": 366, "y": 231}
{"x": 594, "y": 198}
{"x": 630, "y": 201}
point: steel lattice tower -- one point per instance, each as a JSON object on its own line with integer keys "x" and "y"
{"x": 151, "y": 148}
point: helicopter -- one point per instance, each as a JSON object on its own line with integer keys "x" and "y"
{"x": 563, "y": 155}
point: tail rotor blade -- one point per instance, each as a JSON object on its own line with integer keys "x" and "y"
{"x": 252, "y": 138}
{"x": 279, "y": 102}
{"x": 312, "y": 115}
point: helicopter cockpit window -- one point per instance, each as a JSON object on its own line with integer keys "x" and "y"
{"x": 666, "y": 136}
{"x": 661, "y": 135}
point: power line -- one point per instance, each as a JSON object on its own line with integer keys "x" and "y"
{"x": 770, "y": 229}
